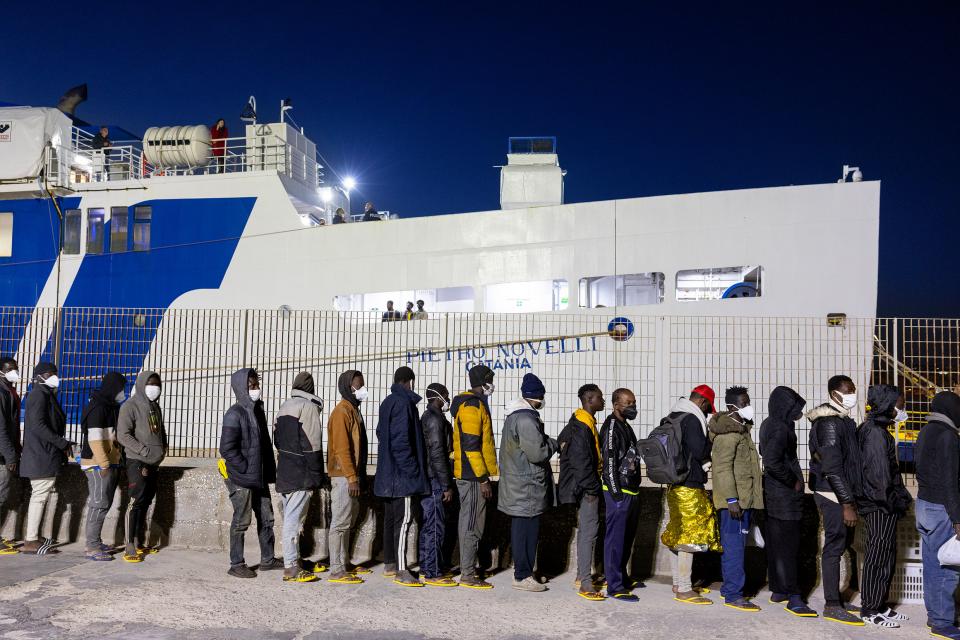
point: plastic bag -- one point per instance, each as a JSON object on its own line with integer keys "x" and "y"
{"x": 949, "y": 553}
{"x": 755, "y": 537}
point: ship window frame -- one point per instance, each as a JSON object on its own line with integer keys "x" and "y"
{"x": 620, "y": 289}
{"x": 96, "y": 225}
{"x": 6, "y": 234}
{"x": 559, "y": 302}
{"x": 119, "y": 229}
{"x": 141, "y": 227}
{"x": 72, "y": 225}
{"x": 751, "y": 274}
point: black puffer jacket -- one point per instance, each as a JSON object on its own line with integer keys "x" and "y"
{"x": 45, "y": 449}
{"x": 882, "y": 488}
{"x": 579, "y": 462}
{"x": 245, "y": 440}
{"x": 834, "y": 453}
{"x": 778, "y": 448}
{"x": 438, "y": 435}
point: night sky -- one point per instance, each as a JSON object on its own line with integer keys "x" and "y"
{"x": 417, "y": 99}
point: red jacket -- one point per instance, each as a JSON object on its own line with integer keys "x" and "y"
{"x": 217, "y": 135}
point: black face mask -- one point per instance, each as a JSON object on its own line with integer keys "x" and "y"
{"x": 629, "y": 413}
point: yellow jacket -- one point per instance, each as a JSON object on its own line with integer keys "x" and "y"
{"x": 474, "y": 454}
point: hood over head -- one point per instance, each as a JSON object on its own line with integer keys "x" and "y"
{"x": 304, "y": 382}
{"x": 141, "y": 383}
{"x": 480, "y": 375}
{"x": 238, "y": 382}
{"x": 113, "y": 383}
{"x": 345, "y": 386}
{"x": 945, "y": 408}
{"x": 882, "y": 398}
{"x": 785, "y": 404}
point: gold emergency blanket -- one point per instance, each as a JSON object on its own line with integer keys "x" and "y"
{"x": 692, "y": 519}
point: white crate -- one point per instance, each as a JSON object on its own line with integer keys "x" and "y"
{"x": 908, "y": 538}
{"x": 907, "y": 584}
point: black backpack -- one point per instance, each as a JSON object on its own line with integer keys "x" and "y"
{"x": 630, "y": 466}
{"x": 662, "y": 452}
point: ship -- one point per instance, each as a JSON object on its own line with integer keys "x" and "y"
{"x": 194, "y": 256}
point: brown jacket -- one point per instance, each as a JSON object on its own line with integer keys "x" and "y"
{"x": 346, "y": 442}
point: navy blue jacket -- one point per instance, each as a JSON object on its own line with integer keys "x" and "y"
{"x": 245, "y": 439}
{"x": 401, "y": 452}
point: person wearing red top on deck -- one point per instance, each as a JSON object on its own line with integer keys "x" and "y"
{"x": 218, "y": 135}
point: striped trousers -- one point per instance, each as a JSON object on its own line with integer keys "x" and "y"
{"x": 880, "y": 561}
{"x": 399, "y": 515}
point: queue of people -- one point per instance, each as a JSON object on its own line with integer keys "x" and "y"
{"x": 436, "y": 472}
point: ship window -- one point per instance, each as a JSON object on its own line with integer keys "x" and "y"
{"x": 6, "y": 234}
{"x": 142, "y": 219}
{"x": 719, "y": 283}
{"x": 526, "y": 297}
{"x": 71, "y": 232}
{"x": 618, "y": 291}
{"x": 95, "y": 231}
{"x": 438, "y": 300}
{"x": 118, "y": 229}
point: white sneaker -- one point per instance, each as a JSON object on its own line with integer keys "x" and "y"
{"x": 528, "y": 584}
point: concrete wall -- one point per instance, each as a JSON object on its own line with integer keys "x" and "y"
{"x": 192, "y": 510}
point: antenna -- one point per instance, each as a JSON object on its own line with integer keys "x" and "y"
{"x": 249, "y": 113}
{"x": 285, "y": 105}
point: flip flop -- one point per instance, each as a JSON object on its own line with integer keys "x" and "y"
{"x": 594, "y": 596}
{"x": 698, "y": 600}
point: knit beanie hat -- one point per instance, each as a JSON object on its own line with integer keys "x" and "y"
{"x": 532, "y": 387}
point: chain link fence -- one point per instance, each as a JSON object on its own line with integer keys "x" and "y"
{"x": 659, "y": 358}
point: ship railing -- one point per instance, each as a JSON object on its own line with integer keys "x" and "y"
{"x": 244, "y": 154}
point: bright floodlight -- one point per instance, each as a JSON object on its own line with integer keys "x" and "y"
{"x": 349, "y": 183}
{"x": 326, "y": 194}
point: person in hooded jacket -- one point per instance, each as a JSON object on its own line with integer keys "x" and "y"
{"x": 835, "y": 472}
{"x": 692, "y": 527}
{"x": 250, "y": 470}
{"x": 737, "y": 490}
{"x": 526, "y": 478}
{"x": 298, "y": 436}
{"x": 620, "y": 474}
{"x": 100, "y": 458}
{"x": 401, "y": 477}
{"x": 881, "y": 501}
{"x": 937, "y": 458}
{"x": 438, "y": 437}
{"x": 783, "y": 490}
{"x": 474, "y": 462}
{"x": 45, "y": 451}
{"x": 347, "y": 468}
{"x": 9, "y": 442}
{"x": 141, "y": 434}
{"x": 579, "y": 482}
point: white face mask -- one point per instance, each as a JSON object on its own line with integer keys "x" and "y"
{"x": 901, "y": 416}
{"x": 152, "y": 392}
{"x": 745, "y": 412}
{"x": 255, "y": 394}
{"x": 488, "y": 389}
{"x": 12, "y": 376}
{"x": 361, "y": 394}
{"x": 538, "y": 407}
{"x": 848, "y": 400}
{"x": 53, "y": 381}
{"x": 121, "y": 396}
{"x": 433, "y": 395}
